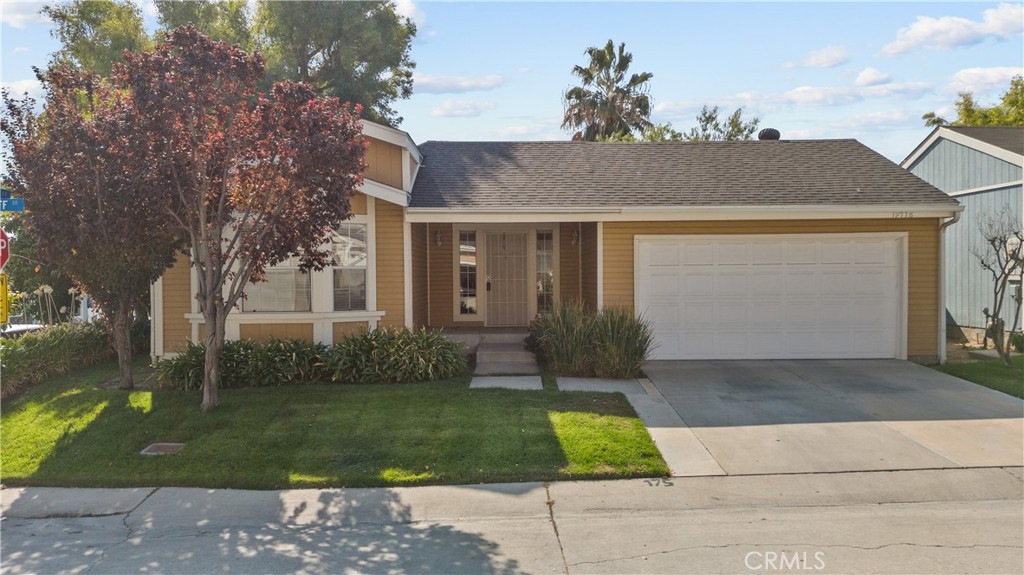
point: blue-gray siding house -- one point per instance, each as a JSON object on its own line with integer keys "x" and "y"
{"x": 982, "y": 168}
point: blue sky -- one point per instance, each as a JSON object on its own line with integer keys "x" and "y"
{"x": 496, "y": 71}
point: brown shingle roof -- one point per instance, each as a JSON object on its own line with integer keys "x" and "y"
{"x": 507, "y": 175}
{"x": 1007, "y": 138}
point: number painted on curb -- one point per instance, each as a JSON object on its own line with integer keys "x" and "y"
{"x": 658, "y": 482}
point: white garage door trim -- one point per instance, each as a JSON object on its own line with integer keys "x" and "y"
{"x": 641, "y": 281}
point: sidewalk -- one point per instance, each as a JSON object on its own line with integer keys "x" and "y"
{"x": 966, "y": 520}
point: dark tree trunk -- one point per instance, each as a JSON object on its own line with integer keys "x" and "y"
{"x": 215, "y": 333}
{"x": 121, "y": 327}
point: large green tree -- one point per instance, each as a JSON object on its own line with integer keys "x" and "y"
{"x": 95, "y": 33}
{"x": 358, "y": 52}
{"x": 710, "y": 127}
{"x": 1009, "y": 111}
{"x": 610, "y": 101}
{"x": 226, "y": 20}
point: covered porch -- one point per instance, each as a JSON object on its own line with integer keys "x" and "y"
{"x": 497, "y": 276}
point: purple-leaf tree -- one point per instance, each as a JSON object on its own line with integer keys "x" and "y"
{"x": 93, "y": 203}
{"x": 252, "y": 178}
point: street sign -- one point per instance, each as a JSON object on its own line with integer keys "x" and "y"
{"x": 5, "y": 249}
{"x": 3, "y": 298}
{"x": 12, "y": 205}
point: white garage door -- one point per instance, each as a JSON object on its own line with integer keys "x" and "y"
{"x": 771, "y": 297}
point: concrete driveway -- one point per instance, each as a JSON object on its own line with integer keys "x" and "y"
{"x": 767, "y": 417}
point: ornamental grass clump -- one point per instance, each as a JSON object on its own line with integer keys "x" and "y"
{"x": 573, "y": 340}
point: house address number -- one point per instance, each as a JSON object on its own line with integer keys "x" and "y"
{"x": 902, "y": 215}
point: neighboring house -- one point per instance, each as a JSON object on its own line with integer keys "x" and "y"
{"x": 982, "y": 168}
{"x": 765, "y": 249}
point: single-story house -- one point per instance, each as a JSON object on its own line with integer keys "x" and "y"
{"x": 982, "y": 168}
{"x": 759, "y": 249}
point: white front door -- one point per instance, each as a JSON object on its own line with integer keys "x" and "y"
{"x": 507, "y": 268}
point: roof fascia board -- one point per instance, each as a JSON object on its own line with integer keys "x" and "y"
{"x": 920, "y": 149}
{"x": 445, "y": 215}
{"x": 993, "y": 187}
{"x": 384, "y": 192}
{"x": 963, "y": 140}
{"x": 391, "y": 136}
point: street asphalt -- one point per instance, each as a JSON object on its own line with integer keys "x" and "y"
{"x": 915, "y": 521}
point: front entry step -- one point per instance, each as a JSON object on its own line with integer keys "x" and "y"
{"x": 504, "y": 354}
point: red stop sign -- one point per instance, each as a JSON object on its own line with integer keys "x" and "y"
{"x": 5, "y": 248}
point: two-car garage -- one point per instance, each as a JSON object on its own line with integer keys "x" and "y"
{"x": 793, "y": 296}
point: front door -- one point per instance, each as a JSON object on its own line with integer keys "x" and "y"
{"x": 507, "y": 269}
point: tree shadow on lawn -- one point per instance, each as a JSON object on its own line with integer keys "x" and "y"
{"x": 331, "y": 436}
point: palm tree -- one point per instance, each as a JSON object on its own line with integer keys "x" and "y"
{"x": 607, "y": 104}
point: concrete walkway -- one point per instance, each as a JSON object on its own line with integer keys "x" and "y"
{"x": 962, "y": 521}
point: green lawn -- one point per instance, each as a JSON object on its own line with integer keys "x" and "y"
{"x": 71, "y": 431}
{"x": 992, "y": 373}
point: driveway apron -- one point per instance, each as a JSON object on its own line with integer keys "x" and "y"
{"x": 767, "y": 417}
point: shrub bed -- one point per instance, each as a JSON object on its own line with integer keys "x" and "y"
{"x": 572, "y": 340}
{"x": 380, "y": 356}
{"x": 55, "y": 350}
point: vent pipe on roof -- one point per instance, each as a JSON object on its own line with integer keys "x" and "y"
{"x": 769, "y": 134}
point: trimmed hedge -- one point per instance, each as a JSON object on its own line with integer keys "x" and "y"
{"x": 381, "y": 356}
{"x": 31, "y": 358}
{"x": 572, "y": 340}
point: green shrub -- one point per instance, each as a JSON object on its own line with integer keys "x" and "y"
{"x": 564, "y": 339}
{"x": 623, "y": 342}
{"x": 572, "y": 340}
{"x": 396, "y": 356}
{"x": 1017, "y": 341}
{"x": 246, "y": 363}
{"x": 33, "y": 357}
{"x": 381, "y": 356}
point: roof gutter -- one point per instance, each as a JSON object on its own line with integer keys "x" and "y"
{"x": 673, "y": 213}
{"x": 942, "y": 283}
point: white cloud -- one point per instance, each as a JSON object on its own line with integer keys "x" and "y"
{"x": 760, "y": 103}
{"x": 149, "y": 9}
{"x": 983, "y": 81}
{"x": 825, "y": 58}
{"x": 1004, "y": 21}
{"x": 21, "y": 14}
{"x": 21, "y": 50}
{"x": 19, "y": 88}
{"x": 452, "y": 108}
{"x": 410, "y": 10}
{"x": 872, "y": 77}
{"x": 430, "y": 84}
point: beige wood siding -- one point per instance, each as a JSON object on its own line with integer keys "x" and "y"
{"x": 390, "y": 264}
{"x": 384, "y": 162}
{"x": 923, "y": 261}
{"x": 419, "y": 275}
{"x": 263, "y": 332}
{"x": 440, "y": 275}
{"x": 569, "y": 262}
{"x": 588, "y": 264}
{"x": 177, "y": 301}
{"x": 357, "y": 204}
{"x": 343, "y": 329}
